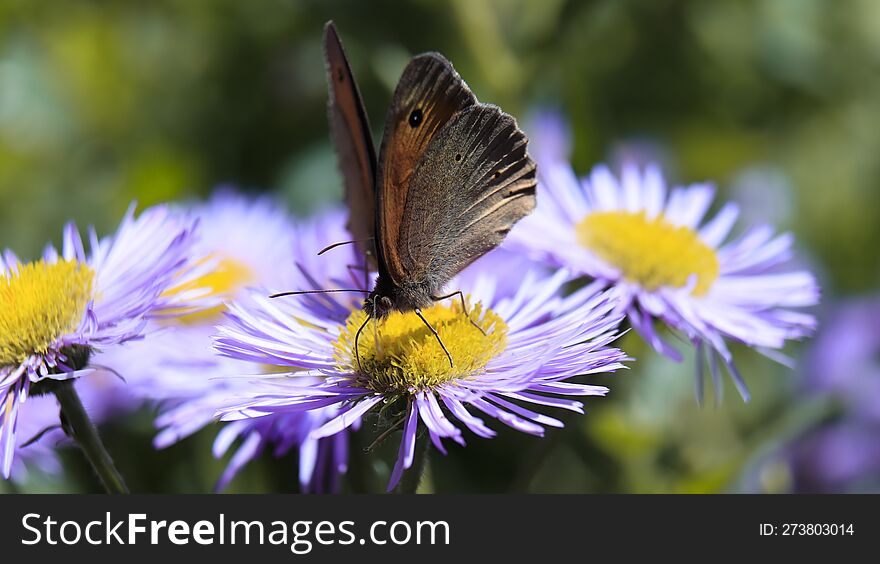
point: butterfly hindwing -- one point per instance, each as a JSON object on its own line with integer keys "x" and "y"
{"x": 474, "y": 182}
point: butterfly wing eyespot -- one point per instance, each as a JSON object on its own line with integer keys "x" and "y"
{"x": 458, "y": 157}
{"x": 415, "y": 118}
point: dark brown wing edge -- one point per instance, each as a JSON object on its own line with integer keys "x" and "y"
{"x": 350, "y": 132}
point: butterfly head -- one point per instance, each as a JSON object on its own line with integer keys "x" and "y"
{"x": 388, "y": 297}
{"x": 378, "y": 306}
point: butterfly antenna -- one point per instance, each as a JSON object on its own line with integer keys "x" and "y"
{"x": 357, "y": 350}
{"x": 334, "y": 245}
{"x": 302, "y": 292}
{"x": 463, "y": 308}
{"x": 437, "y": 335}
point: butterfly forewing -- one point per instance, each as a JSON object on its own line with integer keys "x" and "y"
{"x": 474, "y": 182}
{"x": 350, "y": 130}
{"x": 429, "y": 94}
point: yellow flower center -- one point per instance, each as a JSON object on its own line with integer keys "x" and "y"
{"x": 649, "y": 252}
{"x": 39, "y": 304}
{"x": 399, "y": 353}
{"x": 224, "y": 281}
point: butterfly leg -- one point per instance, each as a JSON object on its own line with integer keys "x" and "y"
{"x": 357, "y": 350}
{"x": 437, "y": 335}
{"x": 381, "y": 438}
{"x": 367, "y": 255}
{"x": 354, "y": 269}
{"x": 463, "y": 307}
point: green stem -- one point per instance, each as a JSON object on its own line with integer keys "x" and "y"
{"x": 81, "y": 430}
{"x": 412, "y": 477}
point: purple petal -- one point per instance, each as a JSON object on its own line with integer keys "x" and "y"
{"x": 346, "y": 419}
{"x": 407, "y": 445}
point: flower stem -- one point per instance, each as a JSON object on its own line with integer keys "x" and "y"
{"x": 412, "y": 477}
{"x": 81, "y": 430}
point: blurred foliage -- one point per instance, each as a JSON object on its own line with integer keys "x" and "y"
{"x": 775, "y": 100}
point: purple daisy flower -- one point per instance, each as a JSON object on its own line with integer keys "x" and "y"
{"x": 241, "y": 242}
{"x": 250, "y": 242}
{"x": 652, "y": 244}
{"x": 54, "y": 312}
{"x": 527, "y": 348}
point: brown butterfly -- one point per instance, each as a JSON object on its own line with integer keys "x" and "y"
{"x": 452, "y": 178}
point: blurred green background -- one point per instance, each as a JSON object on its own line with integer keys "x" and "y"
{"x": 778, "y": 101}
